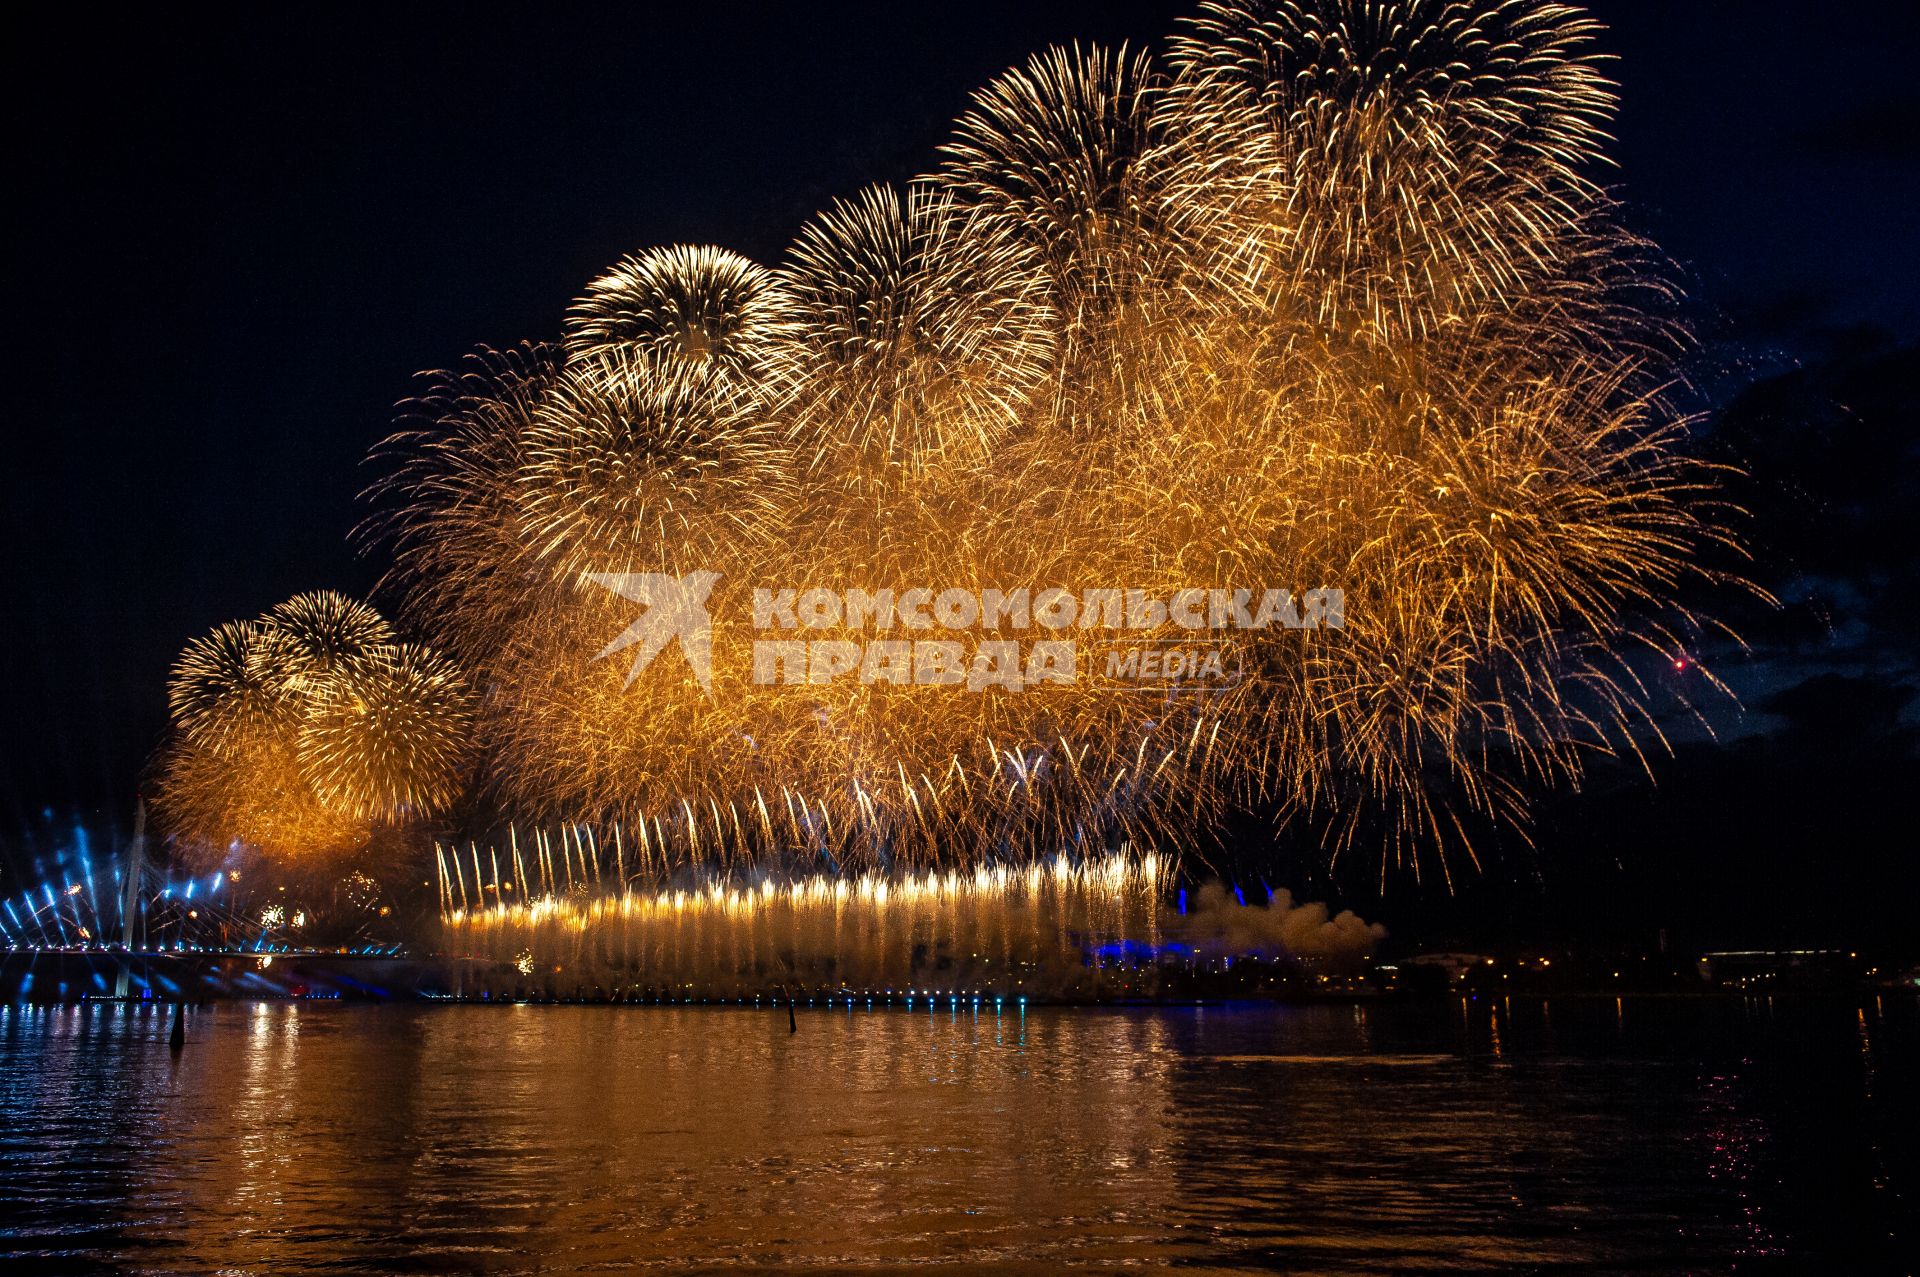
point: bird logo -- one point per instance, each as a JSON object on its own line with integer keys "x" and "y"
{"x": 676, "y": 608}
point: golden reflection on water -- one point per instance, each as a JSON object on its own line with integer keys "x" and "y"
{"x": 289, "y": 1137}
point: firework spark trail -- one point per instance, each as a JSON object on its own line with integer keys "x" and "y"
{"x": 1331, "y": 296}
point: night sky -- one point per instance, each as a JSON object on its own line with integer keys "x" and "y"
{"x": 239, "y": 234}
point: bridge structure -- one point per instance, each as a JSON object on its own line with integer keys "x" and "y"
{"x": 125, "y": 906}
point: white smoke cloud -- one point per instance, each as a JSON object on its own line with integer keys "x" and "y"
{"x": 1217, "y": 922}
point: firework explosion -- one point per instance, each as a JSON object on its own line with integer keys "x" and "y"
{"x": 300, "y": 734}
{"x": 1330, "y": 296}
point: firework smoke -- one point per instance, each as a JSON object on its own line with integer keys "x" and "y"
{"x": 1219, "y": 922}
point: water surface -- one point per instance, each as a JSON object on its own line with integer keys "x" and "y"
{"x": 1655, "y": 1136}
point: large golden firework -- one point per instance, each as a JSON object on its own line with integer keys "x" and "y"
{"x": 232, "y": 685}
{"x": 455, "y": 523}
{"x": 685, "y": 309}
{"x": 299, "y": 734}
{"x": 324, "y": 632}
{"x": 1332, "y": 299}
{"x": 919, "y": 333}
{"x": 1060, "y": 152}
{"x": 627, "y": 468}
{"x": 1389, "y": 167}
{"x": 388, "y": 736}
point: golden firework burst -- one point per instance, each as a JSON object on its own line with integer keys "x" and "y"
{"x": 1333, "y": 298}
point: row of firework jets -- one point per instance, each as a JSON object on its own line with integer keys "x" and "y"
{"x": 475, "y": 890}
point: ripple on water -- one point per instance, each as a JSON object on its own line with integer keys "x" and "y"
{"x": 303, "y": 1138}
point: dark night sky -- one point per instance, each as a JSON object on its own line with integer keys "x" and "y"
{"x": 239, "y": 233}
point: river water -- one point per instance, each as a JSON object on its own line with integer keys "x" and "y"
{"x": 1645, "y": 1135}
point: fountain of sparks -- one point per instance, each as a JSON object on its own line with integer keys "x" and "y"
{"x": 1032, "y": 928}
